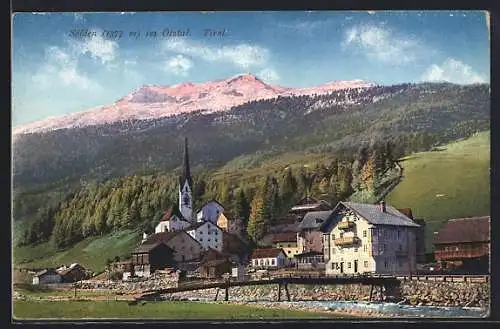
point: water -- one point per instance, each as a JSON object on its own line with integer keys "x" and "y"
{"x": 395, "y": 310}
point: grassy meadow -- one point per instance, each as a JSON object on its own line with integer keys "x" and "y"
{"x": 154, "y": 310}
{"x": 91, "y": 253}
{"x": 451, "y": 182}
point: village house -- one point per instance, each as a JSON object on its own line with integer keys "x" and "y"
{"x": 366, "y": 238}
{"x": 208, "y": 234}
{"x": 310, "y": 260}
{"x": 147, "y": 258}
{"x": 419, "y": 234}
{"x": 214, "y": 264}
{"x": 309, "y": 237}
{"x": 185, "y": 247}
{"x": 74, "y": 273}
{"x": 464, "y": 243}
{"x": 287, "y": 242}
{"x": 210, "y": 211}
{"x": 268, "y": 258}
{"x": 223, "y": 222}
{"x": 172, "y": 221}
{"x": 47, "y": 276}
{"x": 308, "y": 204}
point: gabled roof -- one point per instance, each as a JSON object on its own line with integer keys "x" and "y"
{"x": 285, "y": 237}
{"x": 266, "y": 253}
{"x": 460, "y": 230}
{"x": 208, "y": 201}
{"x": 306, "y": 200}
{"x": 166, "y": 236}
{"x": 49, "y": 271}
{"x": 371, "y": 213}
{"x": 199, "y": 224}
{"x": 173, "y": 210}
{"x": 143, "y": 248}
{"x": 314, "y": 219}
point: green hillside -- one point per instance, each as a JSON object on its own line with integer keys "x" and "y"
{"x": 450, "y": 182}
{"x": 91, "y": 253}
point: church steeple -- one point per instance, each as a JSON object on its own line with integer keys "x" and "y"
{"x": 186, "y": 187}
{"x": 186, "y": 172}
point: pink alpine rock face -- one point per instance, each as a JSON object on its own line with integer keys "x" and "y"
{"x": 152, "y": 101}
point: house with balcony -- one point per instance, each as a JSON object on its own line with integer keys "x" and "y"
{"x": 306, "y": 205}
{"x": 366, "y": 238}
{"x": 464, "y": 243}
{"x": 288, "y": 242}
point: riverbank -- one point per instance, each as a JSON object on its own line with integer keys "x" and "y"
{"x": 417, "y": 293}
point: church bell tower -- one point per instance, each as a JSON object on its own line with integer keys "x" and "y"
{"x": 186, "y": 187}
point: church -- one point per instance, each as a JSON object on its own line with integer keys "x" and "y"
{"x": 201, "y": 225}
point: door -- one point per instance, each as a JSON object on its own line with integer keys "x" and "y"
{"x": 342, "y": 267}
{"x": 356, "y": 266}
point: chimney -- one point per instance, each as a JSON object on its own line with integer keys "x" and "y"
{"x": 144, "y": 237}
{"x": 382, "y": 206}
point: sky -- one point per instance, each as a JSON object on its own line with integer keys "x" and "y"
{"x": 58, "y": 69}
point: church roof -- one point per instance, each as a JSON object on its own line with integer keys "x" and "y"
{"x": 186, "y": 171}
{"x": 173, "y": 210}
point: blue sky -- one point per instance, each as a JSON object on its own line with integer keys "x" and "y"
{"x": 54, "y": 73}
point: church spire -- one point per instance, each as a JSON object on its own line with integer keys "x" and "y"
{"x": 186, "y": 172}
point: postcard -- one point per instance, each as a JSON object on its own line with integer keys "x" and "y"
{"x": 251, "y": 165}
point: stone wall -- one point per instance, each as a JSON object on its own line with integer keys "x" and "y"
{"x": 412, "y": 292}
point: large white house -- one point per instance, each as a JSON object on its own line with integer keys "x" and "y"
{"x": 210, "y": 211}
{"x": 208, "y": 234}
{"x": 367, "y": 238}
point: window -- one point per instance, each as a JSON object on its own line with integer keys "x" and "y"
{"x": 333, "y": 236}
{"x": 400, "y": 247}
{"x": 386, "y": 263}
{"x": 364, "y": 233}
{"x": 273, "y": 261}
{"x": 366, "y": 264}
{"x": 399, "y": 234}
{"x": 209, "y": 232}
{"x": 356, "y": 249}
{"x": 216, "y": 240}
{"x": 365, "y": 248}
{"x": 201, "y": 239}
{"x": 288, "y": 245}
{"x": 334, "y": 265}
{"x": 216, "y": 232}
{"x": 348, "y": 264}
{"x": 289, "y": 251}
{"x": 208, "y": 240}
{"x": 342, "y": 235}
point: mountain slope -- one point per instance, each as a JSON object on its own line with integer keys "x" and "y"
{"x": 151, "y": 101}
{"x": 451, "y": 182}
{"x": 326, "y": 123}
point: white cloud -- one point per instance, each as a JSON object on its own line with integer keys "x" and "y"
{"x": 454, "y": 71}
{"x": 98, "y": 48}
{"x": 61, "y": 68}
{"x": 379, "y": 43}
{"x": 242, "y": 55}
{"x": 269, "y": 75}
{"x": 178, "y": 65}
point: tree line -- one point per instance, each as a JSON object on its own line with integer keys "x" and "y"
{"x": 139, "y": 202}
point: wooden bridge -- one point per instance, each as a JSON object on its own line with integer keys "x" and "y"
{"x": 386, "y": 283}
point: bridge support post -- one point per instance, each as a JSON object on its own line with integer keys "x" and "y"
{"x": 371, "y": 292}
{"x": 216, "y": 294}
{"x": 279, "y": 292}
{"x": 381, "y": 293}
{"x": 226, "y": 297}
{"x": 287, "y": 292}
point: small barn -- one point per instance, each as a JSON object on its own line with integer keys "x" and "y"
{"x": 147, "y": 258}
{"x": 73, "y": 274}
{"x": 47, "y": 276}
{"x": 214, "y": 269}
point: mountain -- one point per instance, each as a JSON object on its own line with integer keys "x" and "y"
{"x": 340, "y": 121}
{"x": 152, "y": 101}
